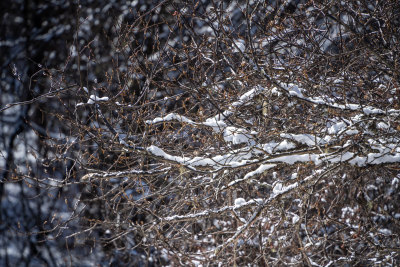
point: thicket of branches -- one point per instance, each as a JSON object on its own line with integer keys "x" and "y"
{"x": 214, "y": 133}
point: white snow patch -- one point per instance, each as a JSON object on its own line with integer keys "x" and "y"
{"x": 236, "y": 135}
{"x": 93, "y": 99}
{"x": 277, "y": 188}
{"x": 295, "y": 218}
{"x": 240, "y": 201}
{"x": 170, "y": 117}
{"x": 382, "y": 126}
{"x": 159, "y": 152}
{"x": 337, "y": 127}
{"x": 245, "y": 98}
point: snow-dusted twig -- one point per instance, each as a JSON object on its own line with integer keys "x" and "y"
{"x": 109, "y": 175}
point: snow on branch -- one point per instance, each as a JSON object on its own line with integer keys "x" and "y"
{"x": 261, "y": 169}
{"x": 232, "y": 160}
{"x": 123, "y": 174}
{"x": 93, "y": 99}
{"x": 249, "y": 95}
{"x": 242, "y": 158}
{"x": 296, "y": 91}
{"x": 171, "y": 117}
{"x": 231, "y": 134}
